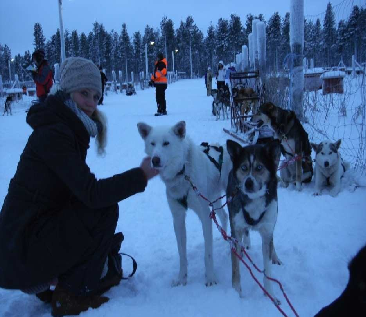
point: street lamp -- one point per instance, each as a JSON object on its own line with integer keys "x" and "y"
{"x": 175, "y": 51}
{"x": 146, "y": 63}
{"x": 9, "y": 65}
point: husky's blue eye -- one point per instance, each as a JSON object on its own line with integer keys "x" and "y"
{"x": 165, "y": 143}
{"x": 244, "y": 168}
{"x": 153, "y": 143}
{"x": 259, "y": 167}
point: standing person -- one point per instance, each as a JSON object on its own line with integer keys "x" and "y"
{"x": 58, "y": 220}
{"x": 42, "y": 76}
{"x": 104, "y": 80}
{"x": 161, "y": 83}
{"x": 220, "y": 77}
{"x": 209, "y": 81}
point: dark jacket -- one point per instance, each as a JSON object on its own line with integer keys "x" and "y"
{"x": 51, "y": 176}
{"x": 43, "y": 79}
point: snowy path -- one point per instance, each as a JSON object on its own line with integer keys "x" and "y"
{"x": 315, "y": 237}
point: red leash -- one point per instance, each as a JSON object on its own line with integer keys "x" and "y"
{"x": 234, "y": 242}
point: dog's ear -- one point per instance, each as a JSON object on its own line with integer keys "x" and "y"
{"x": 338, "y": 144}
{"x": 144, "y": 129}
{"x": 233, "y": 148}
{"x": 315, "y": 147}
{"x": 180, "y": 129}
{"x": 274, "y": 150}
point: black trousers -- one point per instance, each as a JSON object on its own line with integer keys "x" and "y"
{"x": 73, "y": 246}
{"x": 160, "y": 97}
{"x": 220, "y": 84}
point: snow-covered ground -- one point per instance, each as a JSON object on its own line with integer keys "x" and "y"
{"x": 315, "y": 236}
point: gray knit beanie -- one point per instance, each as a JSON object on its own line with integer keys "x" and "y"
{"x": 78, "y": 73}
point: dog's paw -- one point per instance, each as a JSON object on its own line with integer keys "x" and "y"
{"x": 208, "y": 284}
{"x": 276, "y": 261}
{"x": 180, "y": 281}
{"x": 210, "y": 281}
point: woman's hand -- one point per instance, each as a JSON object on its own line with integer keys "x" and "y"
{"x": 149, "y": 171}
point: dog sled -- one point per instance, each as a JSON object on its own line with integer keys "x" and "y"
{"x": 247, "y": 93}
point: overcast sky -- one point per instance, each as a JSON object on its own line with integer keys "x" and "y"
{"x": 17, "y": 17}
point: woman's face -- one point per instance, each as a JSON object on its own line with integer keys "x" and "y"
{"x": 86, "y": 100}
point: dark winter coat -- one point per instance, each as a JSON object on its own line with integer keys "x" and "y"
{"x": 51, "y": 176}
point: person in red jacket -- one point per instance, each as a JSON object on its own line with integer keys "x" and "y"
{"x": 42, "y": 76}
{"x": 161, "y": 83}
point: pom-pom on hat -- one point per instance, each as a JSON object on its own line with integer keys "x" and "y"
{"x": 79, "y": 73}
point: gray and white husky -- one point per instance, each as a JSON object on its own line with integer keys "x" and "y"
{"x": 329, "y": 167}
{"x": 176, "y": 156}
{"x": 252, "y": 184}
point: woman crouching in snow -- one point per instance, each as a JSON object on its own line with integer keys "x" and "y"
{"x": 58, "y": 221}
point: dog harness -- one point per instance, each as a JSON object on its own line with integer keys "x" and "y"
{"x": 218, "y": 149}
{"x": 183, "y": 201}
{"x": 248, "y": 219}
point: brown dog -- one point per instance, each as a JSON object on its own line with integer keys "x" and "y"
{"x": 295, "y": 145}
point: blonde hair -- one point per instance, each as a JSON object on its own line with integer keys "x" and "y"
{"x": 101, "y": 138}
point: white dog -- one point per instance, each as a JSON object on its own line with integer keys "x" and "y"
{"x": 176, "y": 157}
{"x": 329, "y": 167}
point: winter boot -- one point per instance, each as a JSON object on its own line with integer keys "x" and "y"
{"x": 45, "y": 296}
{"x": 65, "y": 303}
{"x": 115, "y": 273}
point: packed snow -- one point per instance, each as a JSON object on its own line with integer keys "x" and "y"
{"x": 315, "y": 236}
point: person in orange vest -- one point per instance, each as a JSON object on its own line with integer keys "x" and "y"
{"x": 161, "y": 83}
{"x": 42, "y": 76}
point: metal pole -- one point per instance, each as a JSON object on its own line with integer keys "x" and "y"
{"x": 63, "y": 56}
{"x": 9, "y": 70}
{"x": 146, "y": 67}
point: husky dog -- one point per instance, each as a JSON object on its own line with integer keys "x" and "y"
{"x": 252, "y": 184}
{"x": 352, "y": 301}
{"x": 7, "y": 105}
{"x": 329, "y": 167}
{"x": 177, "y": 157}
{"x": 294, "y": 142}
{"x": 222, "y": 103}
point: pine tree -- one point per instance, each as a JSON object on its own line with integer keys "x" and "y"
{"x": 329, "y": 33}
{"x": 138, "y": 64}
{"x": 354, "y": 31}
{"x": 236, "y": 35}
{"x": 168, "y": 39}
{"x": 273, "y": 42}
{"x": 67, "y": 37}
{"x": 222, "y": 35}
{"x": 285, "y": 39}
{"x": 210, "y": 47}
{"x": 84, "y": 48}
{"x": 75, "y": 45}
{"x": 39, "y": 39}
